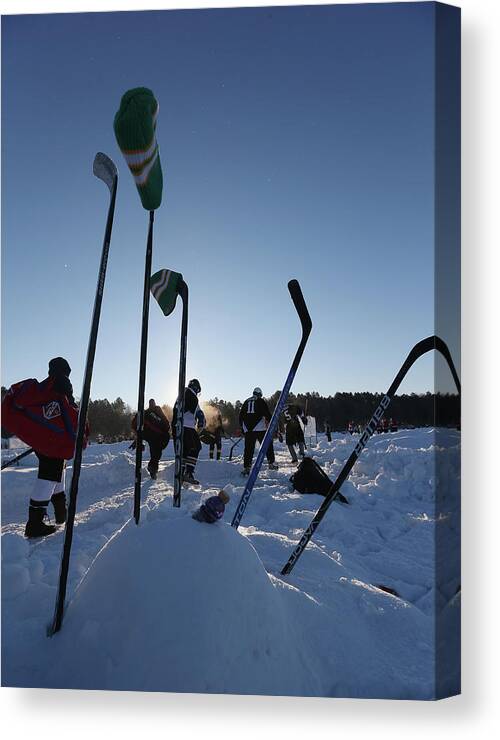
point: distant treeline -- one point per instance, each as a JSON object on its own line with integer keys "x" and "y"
{"x": 414, "y": 410}
{"x": 112, "y": 419}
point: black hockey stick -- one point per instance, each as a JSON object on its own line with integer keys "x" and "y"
{"x": 179, "y": 422}
{"x": 305, "y": 320}
{"x": 16, "y": 459}
{"x": 142, "y": 370}
{"x": 106, "y": 171}
{"x": 232, "y": 448}
{"x": 166, "y": 285}
{"x": 418, "y": 350}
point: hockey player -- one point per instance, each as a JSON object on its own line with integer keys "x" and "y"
{"x": 254, "y": 418}
{"x": 156, "y": 432}
{"x": 294, "y": 434}
{"x": 217, "y": 434}
{"x": 194, "y": 419}
{"x": 50, "y": 482}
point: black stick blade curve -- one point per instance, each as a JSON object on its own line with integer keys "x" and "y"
{"x": 300, "y": 305}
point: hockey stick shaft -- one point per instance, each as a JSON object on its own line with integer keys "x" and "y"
{"x": 82, "y": 413}
{"x": 179, "y": 426}
{"x": 418, "y": 350}
{"x": 17, "y": 458}
{"x": 235, "y": 444}
{"x": 305, "y": 319}
{"x": 142, "y": 369}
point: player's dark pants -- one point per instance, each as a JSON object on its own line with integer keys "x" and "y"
{"x": 291, "y": 449}
{"x": 157, "y": 444}
{"x": 250, "y": 439}
{"x": 216, "y": 441}
{"x": 191, "y": 449}
{"x": 50, "y": 468}
{"x": 50, "y": 481}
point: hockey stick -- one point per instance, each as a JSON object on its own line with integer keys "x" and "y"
{"x": 165, "y": 286}
{"x": 232, "y": 448}
{"x": 16, "y": 459}
{"x": 305, "y": 320}
{"x": 105, "y": 170}
{"x": 135, "y": 130}
{"x": 142, "y": 370}
{"x": 179, "y": 422}
{"x": 418, "y": 350}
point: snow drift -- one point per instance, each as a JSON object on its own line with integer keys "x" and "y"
{"x": 209, "y": 621}
{"x": 182, "y": 606}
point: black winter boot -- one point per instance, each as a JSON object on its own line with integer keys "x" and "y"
{"x": 59, "y": 504}
{"x": 188, "y": 477}
{"x": 35, "y": 526}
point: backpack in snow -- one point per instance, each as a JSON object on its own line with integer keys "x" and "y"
{"x": 208, "y": 438}
{"x": 311, "y": 478}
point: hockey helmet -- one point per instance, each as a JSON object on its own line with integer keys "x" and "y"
{"x": 195, "y": 385}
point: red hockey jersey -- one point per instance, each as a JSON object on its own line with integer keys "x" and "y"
{"x": 42, "y": 417}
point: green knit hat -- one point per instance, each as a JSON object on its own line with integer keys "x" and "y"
{"x": 135, "y": 131}
{"x": 165, "y": 286}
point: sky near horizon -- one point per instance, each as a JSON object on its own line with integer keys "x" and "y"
{"x": 296, "y": 142}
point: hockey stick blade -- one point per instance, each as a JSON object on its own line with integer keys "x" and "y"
{"x": 300, "y": 306}
{"x": 105, "y": 169}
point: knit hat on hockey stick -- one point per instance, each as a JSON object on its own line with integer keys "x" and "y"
{"x": 135, "y": 131}
{"x": 165, "y": 285}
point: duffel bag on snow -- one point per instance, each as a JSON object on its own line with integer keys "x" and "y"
{"x": 207, "y": 437}
{"x": 41, "y": 417}
{"x": 311, "y": 478}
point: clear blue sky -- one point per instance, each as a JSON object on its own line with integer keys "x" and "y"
{"x": 295, "y": 143}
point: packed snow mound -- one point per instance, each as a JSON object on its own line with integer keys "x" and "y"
{"x": 209, "y": 621}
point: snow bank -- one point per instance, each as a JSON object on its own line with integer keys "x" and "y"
{"x": 177, "y": 605}
{"x": 209, "y": 620}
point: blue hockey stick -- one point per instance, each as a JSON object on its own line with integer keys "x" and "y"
{"x": 305, "y": 320}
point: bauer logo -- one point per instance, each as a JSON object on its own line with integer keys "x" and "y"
{"x": 51, "y": 410}
{"x": 372, "y": 424}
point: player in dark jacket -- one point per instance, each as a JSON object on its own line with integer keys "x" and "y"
{"x": 194, "y": 419}
{"x": 217, "y": 431}
{"x": 156, "y": 432}
{"x": 254, "y": 418}
{"x": 50, "y": 483}
{"x": 294, "y": 434}
{"x": 328, "y": 431}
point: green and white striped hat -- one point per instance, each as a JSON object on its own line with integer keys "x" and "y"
{"x": 165, "y": 285}
{"x": 135, "y": 131}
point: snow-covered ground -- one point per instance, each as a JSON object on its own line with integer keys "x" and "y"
{"x": 176, "y": 605}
